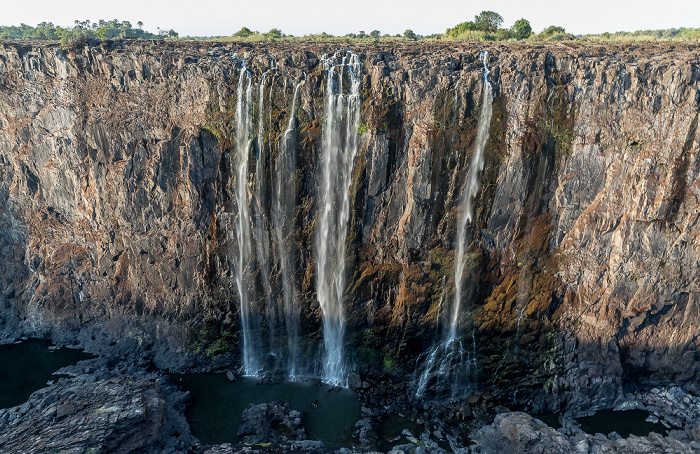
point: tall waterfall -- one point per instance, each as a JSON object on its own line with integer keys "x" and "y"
{"x": 260, "y": 221}
{"x": 448, "y": 362}
{"x": 283, "y": 219}
{"x": 470, "y": 190}
{"x": 252, "y": 362}
{"x": 339, "y": 147}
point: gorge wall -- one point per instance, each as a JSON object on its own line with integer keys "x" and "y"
{"x": 118, "y": 207}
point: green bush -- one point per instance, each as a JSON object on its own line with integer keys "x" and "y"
{"x": 71, "y": 37}
{"x": 551, "y": 30}
{"x": 553, "y": 33}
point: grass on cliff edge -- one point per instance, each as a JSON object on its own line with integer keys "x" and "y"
{"x": 72, "y": 36}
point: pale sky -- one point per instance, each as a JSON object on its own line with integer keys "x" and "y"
{"x": 217, "y": 17}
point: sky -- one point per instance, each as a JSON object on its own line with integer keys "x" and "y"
{"x": 300, "y": 17}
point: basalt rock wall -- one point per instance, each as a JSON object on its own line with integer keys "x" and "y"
{"x": 117, "y": 212}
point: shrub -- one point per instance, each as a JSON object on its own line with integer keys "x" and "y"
{"x": 274, "y": 34}
{"x": 460, "y": 29}
{"x": 71, "y": 38}
{"x": 554, "y": 33}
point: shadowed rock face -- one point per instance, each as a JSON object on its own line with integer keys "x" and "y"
{"x": 519, "y": 432}
{"x": 119, "y": 415}
{"x": 117, "y": 206}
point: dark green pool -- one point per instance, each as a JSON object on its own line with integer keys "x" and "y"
{"x": 27, "y": 366}
{"x": 214, "y": 412}
{"x": 391, "y": 431}
{"x": 625, "y": 423}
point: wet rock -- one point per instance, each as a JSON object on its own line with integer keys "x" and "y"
{"x": 273, "y": 422}
{"x": 366, "y": 433}
{"x": 310, "y": 446}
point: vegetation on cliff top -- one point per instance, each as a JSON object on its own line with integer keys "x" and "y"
{"x": 486, "y": 26}
{"x": 82, "y": 30}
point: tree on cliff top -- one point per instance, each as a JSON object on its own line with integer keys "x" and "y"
{"x": 522, "y": 29}
{"x": 488, "y": 21}
{"x": 243, "y": 33}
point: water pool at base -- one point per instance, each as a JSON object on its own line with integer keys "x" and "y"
{"x": 391, "y": 430}
{"x": 214, "y": 412}
{"x": 625, "y": 423}
{"x": 26, "y": 367}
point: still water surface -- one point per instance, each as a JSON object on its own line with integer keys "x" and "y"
{"x": 625, "y": 423}
{"x": 214, "y": 412}
{"x": 27, "y": 366}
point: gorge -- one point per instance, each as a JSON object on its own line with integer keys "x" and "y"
{"x": 443, "y": 227}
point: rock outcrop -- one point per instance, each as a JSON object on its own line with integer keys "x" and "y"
{"x": 116, "y": 210}
{"x": 519, "y": 432}
{"x": 122, "y": 414}
{"x": 268, "y": 423}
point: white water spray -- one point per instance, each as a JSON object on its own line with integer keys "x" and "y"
{"x": 470, "y": 190}
{"x": 339, "y": 147}
{"x": 260, "y": 220}
{"x": 244, "y": 262}
{"x": 446, "y": 361}
{"x": 283, "y": 219}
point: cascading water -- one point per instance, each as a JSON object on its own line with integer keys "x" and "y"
{"x": 260, "y": 221}
{"x": 446, "y": 362}
{"x": 283, "y": 220}
{"x": 252, "y": 362}
{"x": 339, "y": 147}
{"x": 470, "y": 190}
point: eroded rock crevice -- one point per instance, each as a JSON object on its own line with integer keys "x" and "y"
{"x": 117, "y": 212}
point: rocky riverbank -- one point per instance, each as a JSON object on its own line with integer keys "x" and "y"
{"x": 112, "y": 405}
{"x": 521, "y": 433}
{"x": 105, "y": 405}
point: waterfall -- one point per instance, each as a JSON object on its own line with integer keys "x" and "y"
{"x": 470, "y": 190}
{"x": 339, "y": 147}
{"x": 249, "y": 324}
{"x": 260, "y": 221}
{"x": 446, "y": 362}
{"x": 283, "y": 219}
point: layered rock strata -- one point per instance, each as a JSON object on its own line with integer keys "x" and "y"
{"x": 117, "y": 210}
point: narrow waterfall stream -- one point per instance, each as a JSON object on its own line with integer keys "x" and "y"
{"x": 339, "y": 147}
{"x": 471, "y": 188}
{"x": 283, "y": 220}
{"x": 448, "y": 364}
{"x": 252, "y": 359}
{"x": 259, "y": 204}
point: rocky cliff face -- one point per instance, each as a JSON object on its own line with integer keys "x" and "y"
{"x": 117, "y": 208}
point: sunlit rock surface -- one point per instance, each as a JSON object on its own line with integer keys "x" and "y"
{"x": 117, "y": 207}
